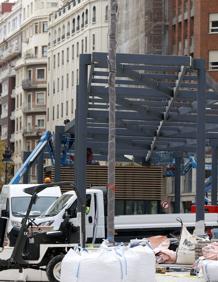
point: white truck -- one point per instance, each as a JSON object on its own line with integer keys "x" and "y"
{"x": 14, "y": 202}
{"x": 126, "y": 226}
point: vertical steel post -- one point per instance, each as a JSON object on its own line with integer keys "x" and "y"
{"x": 201, "y": 101}
{"x": 59, "y": 130}
{"x": 214, "y": 175}
{"x": 81, "y": 135}
{"x": 40, "y": 167}
{"x": 177, "y": 184}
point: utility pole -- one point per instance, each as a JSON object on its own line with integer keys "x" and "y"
{"x": 112, "y": 119}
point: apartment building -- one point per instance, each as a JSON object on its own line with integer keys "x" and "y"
{"x": 31, "y": 78}
{"x": 194, "y": 31}
{"x": 79, "y": 26}
{"x": 10, "y": 50}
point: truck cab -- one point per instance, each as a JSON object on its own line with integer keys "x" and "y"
{"x": 66, "y": 206}
{"x": 14, "y": 202}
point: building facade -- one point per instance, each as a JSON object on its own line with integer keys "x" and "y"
{"x": 194, "y": 31}
{"x": 31, "y": 78}
{"x": 147, "y": 31}
{"x": 78, "y": 27}
{"x": 10, "y": 51}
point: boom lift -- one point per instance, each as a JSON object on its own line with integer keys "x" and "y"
{"x": 45, "y": 140}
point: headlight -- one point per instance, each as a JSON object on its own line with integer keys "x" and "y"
{"x": 46, "y": 223}
{"x": 15, "y": 223}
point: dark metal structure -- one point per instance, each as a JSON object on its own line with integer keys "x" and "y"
{"x": 163, "y": 105}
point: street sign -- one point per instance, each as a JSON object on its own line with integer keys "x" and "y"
{"x": 165, "y": 204}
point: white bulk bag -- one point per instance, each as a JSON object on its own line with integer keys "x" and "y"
{"x": 210, "y": 270}
{"x": 186, "y": 249}
{"x": 103, "y": 265}
{"x": 140, "y": 264}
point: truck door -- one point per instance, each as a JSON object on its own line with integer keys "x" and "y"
{"x": 90, "y": 213}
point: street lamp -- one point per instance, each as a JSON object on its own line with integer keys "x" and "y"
{"x": 7, "y": 160}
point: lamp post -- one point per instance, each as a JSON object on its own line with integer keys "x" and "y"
{"x": 7, "y": 160}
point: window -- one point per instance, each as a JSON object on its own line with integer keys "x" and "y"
{"x": 94, "y": 14}
{"x": 53, "y": 112}
{"x": 63, "y": 32}
{"x": 40, "y": 121}
{"x": 57, "y": 111}
{"x": 82, "y": 46}
{"x": 213, "y": 26}
{"x": 62, "y": 60}
{"x": 58, "y": 85}
{"x": 36, "y": 51}
{"x": 77, "y": 77}
{"x": 106, "y": 13}
{"x": 86, "y": 45}
{"x": 62, "y": 109}
{"x": 29, "y": 74}
{"x": 58, "y": 59}
{"x": 67, "y": 80}
{"x": 44, "y": 51}
{"x": 54, "y": 59}
{"x": 87, "y": 14}
{"x": 45, "y": 26}
{"x": 73, "y": 26}
{"x": 72, "y": 52}
{"x": 66, "y": 108}
{"x": 93, "y": 42}
{"x": 40, "y": 98}
{"x": 68, "y": 54}
{"x": 36, "y": 28}
{"x": 83, "y": 20}
{"x": 77, "y": 49}
{"x": 78, "y": 23}
{"x": 40, "y": 74}
{"x": 62, "y": 83}
{"x": 68, "y": 29}
{"x": 53, "y": 87}
{"x": 128, "y": 207}
{"x": 213, "y": 60}
{"x": 72, "y": 78}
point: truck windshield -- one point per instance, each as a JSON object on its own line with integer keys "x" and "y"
{"x": 19, "y": 205}
{"x": 57, "y": 206}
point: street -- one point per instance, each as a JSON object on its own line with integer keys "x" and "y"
{"x": 33, "y": 275}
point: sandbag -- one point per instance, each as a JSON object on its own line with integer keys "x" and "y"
{"x": 103, "y": 265}
{"x": 141, "y": 263}
{"x": 117, "y": 264}
{"x": 186, "y": 249}
{"x": 210, "y": 270}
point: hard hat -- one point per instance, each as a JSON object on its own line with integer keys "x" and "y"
{"x": 47, "y": 180}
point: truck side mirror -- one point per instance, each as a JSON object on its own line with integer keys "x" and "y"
{"x": 71, "y": 212}
{"x": 5, "y": 213}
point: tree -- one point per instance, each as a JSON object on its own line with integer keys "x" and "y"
{"x": 112, "y": 119}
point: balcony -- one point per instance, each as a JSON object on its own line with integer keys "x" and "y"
{"x": 33, "y": 132}
{"x": 28, "y": 84}
{"x": 34, "y": 108}
{"x": 11, "y": 52}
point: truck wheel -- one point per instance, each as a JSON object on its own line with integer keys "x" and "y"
{"x": 54, "y": 269}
